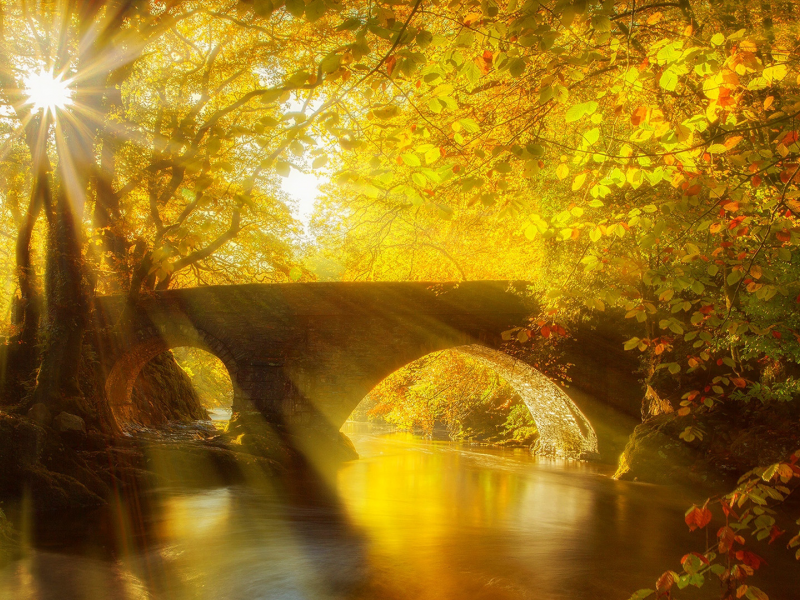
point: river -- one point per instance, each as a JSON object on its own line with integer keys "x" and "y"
{"x": 412, "y": 519}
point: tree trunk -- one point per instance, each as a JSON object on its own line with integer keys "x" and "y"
{"x": 67, "y": 313}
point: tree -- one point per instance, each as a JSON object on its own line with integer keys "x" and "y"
{"x": 450, "y": 389}
{"x": 176, "y": 125}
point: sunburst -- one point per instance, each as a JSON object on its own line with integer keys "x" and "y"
{"x": 47, "y": 91}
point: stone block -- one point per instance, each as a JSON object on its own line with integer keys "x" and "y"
{"x": 66, "y": 422}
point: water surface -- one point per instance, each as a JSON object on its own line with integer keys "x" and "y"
{"x": 413, "y": 519}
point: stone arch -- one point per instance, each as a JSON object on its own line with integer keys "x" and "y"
{"x": 152, "y": 342}
{"x": 564, "y": 430}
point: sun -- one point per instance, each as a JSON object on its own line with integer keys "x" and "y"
{"x": 48, "y": 91}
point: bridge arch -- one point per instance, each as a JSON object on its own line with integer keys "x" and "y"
{"x": 564, "y": 431}
{"x": 151, "y": 342}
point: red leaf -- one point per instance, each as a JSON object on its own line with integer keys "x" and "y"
{"x": 704, "y": 517}
{"x": 665, "y": 582}
{"x": 726, "y": 538}
{"x": 545, "y": 331}
{"x": 755, "y": 181}
{"x": 775, "y": 533}
{"x": 702, "y": 558}
{"x": 390, "y": 64}
{"x": 750, "y": 559}
{"x": 776, "y": 334}
{"x": 739, "y": 382}
{"x": 697, "y": 518}
{"x": 728, "y": 509}
{"x": 638, "y": 116}
{"x": 790, "y": 138}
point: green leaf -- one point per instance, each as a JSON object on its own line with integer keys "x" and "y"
{"x": 435, "y": 105}
{"x": 577, "y": 111}
{"x": 641, "y": 594}
{"x": 296, "y": 8}
{"x": 412, "y": 160}
{"x": 574, "y": 113}
{"x": 315, "y": 10}
{"x": 263, "y": 8}
{"x": 733, "y": 277}
{"x": 386, "y": 112}
{"x": 516, "y": 67}
{"x": 669, "y": 80}
{"x": 424, "y": 38}
{"x": 330, "y": 63}
{"x": 601, "y": 23}
{"x": 631, "y": 343}
{"x": 299, "y": 78}
{"x": 349, "y": 25}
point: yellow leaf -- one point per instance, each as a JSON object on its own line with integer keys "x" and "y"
{"x": 634, "y": 177}
{"x": 578, "y": 182}
{"x": 562, "y": 171}
{"x": 431, "y": 156}
{"x": 732, "y": 141}
{"x": 654, "y": 18}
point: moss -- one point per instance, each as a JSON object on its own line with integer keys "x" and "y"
{"x": 736, "y": 437}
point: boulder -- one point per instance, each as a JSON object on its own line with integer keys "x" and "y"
{"x": 734, "y": 438}
{"x": 66, "y": 422}
{"x": 41, "y": 414}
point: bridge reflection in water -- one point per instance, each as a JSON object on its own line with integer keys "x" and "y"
{"x": 411, "y": 520}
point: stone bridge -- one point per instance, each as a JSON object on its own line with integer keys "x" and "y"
{"x": 299, "y": 351}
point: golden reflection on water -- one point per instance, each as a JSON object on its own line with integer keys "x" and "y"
{"x": 411, "y": 520}
{"x": 446, "y": 516}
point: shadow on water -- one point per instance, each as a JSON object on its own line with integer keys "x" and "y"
{"x": 288, "y": 537}
{"x": 412, "y": 519}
